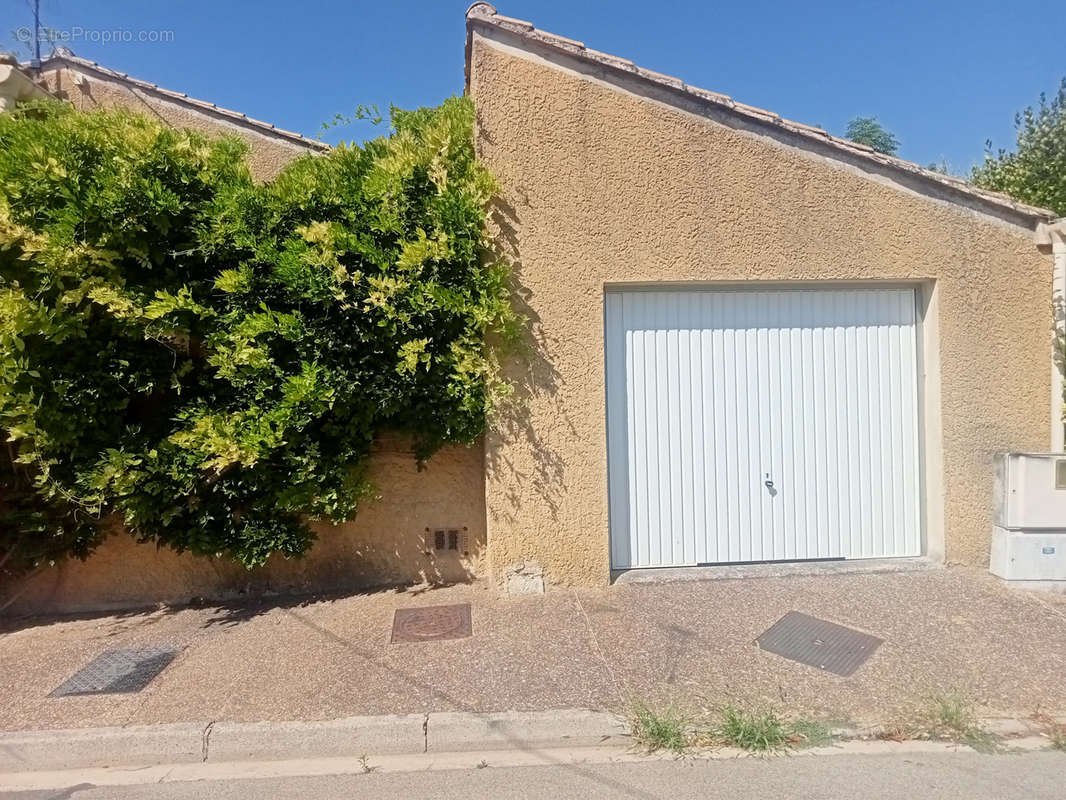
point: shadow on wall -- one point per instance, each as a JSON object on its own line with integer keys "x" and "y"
{"x": 535, "y": 381}
{"x": 1058, "y": 338}
{"x": 392, "y": 541}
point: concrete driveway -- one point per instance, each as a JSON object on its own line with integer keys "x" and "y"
{"x": 689, "y": 643}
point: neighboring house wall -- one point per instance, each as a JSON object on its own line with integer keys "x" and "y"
{"x": 15, "y": 85}
{"x": 386, "y": 544}
{"x": 86, "y": 89}
{"x": 605, "y": 183}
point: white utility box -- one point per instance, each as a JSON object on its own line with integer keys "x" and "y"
{"x": 1029, "y": 537}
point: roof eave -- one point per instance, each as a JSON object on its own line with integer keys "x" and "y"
{"x": 484, "y": 15}
{"x": 59, "y": 59}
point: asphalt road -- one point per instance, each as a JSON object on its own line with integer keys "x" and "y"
{"x": 930, "y": 776}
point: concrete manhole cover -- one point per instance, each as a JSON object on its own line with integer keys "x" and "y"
{"x": 431, "y": 623}
{"x": 818, "y": 643}
{"x": 118, "y": 671}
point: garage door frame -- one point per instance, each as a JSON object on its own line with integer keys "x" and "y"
{"x": 929, "y": 459}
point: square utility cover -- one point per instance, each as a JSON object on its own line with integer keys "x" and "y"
{"x": 818, "y": 643}
{"x": 118, "y": 671}
{"x": 431, "y": 623}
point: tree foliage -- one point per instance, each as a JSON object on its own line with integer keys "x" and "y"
{"x": 870, "y": 132}
{"x": 207, "y": 360}
{"x": 1036, "y": 172}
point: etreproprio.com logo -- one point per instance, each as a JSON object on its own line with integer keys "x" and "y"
{"x": 93, "y": 35}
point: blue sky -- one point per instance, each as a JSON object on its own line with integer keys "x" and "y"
{"x": 943, "y": 75}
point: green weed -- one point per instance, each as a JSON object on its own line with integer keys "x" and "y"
{"x": 754, "y": 730}
{"x": 952, "y": 717}
{"x": 660, "y": 729}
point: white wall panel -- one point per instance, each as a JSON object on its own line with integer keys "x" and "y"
{"x": 712, "y": 393}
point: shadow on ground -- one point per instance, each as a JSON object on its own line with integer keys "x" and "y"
{"x": 690, "y": 643}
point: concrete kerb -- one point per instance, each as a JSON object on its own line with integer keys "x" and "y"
{"x": 354, "y": 737}
{"x": 181, "y": 742}
{"x": 452, "y": 732}
{"x": 22, "y": 751}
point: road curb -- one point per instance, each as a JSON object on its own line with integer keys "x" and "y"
{"x": 453, "y": 732}
{"x": 579, "y": 758}
{"x": 190, "y": 742}
{"x": 178, "y": 743}
{"x": 353, "y": 737}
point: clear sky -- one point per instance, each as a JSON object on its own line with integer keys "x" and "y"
{"x": 943, "y": 75}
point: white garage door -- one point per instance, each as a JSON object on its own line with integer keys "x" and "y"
{"x": 769, "y": 425}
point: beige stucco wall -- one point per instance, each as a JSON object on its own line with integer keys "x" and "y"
{"x": 604, "y": 186}
{"x": 385, "y": 544}
{"x": 15, "y": 85}
{"x": 268, "y": 153}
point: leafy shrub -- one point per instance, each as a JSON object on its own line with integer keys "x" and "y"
{"x": 1035, "y": 172}
{"x": 207, "y": 360}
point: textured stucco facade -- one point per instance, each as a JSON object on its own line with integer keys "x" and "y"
{"x": 610, "y": 181}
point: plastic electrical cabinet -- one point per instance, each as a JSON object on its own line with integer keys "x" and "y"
{"x": 1029, "y": 536}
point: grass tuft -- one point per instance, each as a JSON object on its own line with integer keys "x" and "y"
{"x": 952, "y": 717}
{"x": 660, "y": 729}
{"x": 754, "y": 730}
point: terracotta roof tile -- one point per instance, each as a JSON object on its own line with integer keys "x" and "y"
{"x": 755, "y": 111}
{"x": 511, "y": 21}
{"x": 812, "y": 129}
{"x": 62, "y": 56}
{"x": 612, "y": 60}
{"x": 658, "y": 77}
{"x": 714, "y": 97}
{"x": 485, "y": 13}
{"x": 556, "y": 39}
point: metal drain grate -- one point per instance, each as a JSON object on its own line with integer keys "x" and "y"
{"x": 431, "y": 623}
{"x": 118, "y": 672}
{"x": 818, "y": 643}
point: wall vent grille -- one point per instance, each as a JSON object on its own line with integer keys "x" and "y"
{"x": 447, "y": 540}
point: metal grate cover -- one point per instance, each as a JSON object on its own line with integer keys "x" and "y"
{"x": 818, "y": 643}
{"x": 431, "y": 623}
{"x": 118, "y": 671}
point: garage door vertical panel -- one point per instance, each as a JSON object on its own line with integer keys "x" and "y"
{"x": 762, "y": 399}
{"x": 836, "y": 475}
{"x": 692, "y": 415}
{"x": 787, "y": 464}
{"x": 721, "y": 429}
{"x": 780, "y": 422}
{"x": 822, "y": 436}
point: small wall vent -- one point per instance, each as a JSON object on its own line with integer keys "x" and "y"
{"x": 447, "y": 540}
